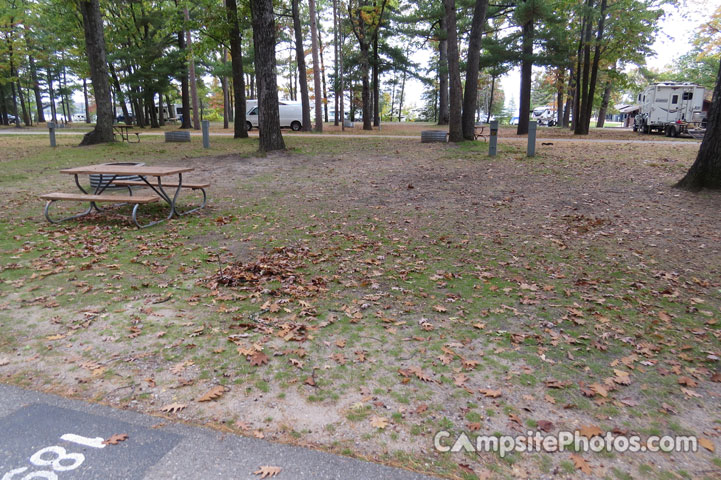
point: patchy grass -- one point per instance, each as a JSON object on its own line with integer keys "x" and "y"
{"x": 349, "y": 280}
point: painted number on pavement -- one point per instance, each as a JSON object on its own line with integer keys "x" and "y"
{"x": 56, "y": 458}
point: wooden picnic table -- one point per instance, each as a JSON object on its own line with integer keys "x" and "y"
{"x": 124, "y": 132}
{"x": 108, "y": 174}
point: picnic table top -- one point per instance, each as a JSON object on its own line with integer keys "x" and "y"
{"x": 148, "y": 171}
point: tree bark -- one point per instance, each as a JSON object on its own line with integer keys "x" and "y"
{"x": 376, "y": 85}
{"x": 604, "y": 105}
{"x": 322, "y": 73}
{"x": 490, "y": 101}
{"x": 264, "y": 40}
{"x": 240, "y": 129}
{"x": 95, "y": 51}
{"x": 706, "y": 170}
{"x": 119, "y": 93}
{"x": 184, "y": 87}
{"x": 302, "y": 69}
{"x": 87, "y": 103}
{"x": 594, "y": 70}
{"x": 584, "y": 74}
{"x": 455, "y": 125}
{"x": 51, "y": 93}
{"x": 316, "y": 67}
{"x": 560, "y": 84}
{"x": 191, "y": 75}
{"x": 470, "y": 95}
{"x": 524, "y": 109}
{"x": 336, "y": 81}
{"x": 443, "y": 74}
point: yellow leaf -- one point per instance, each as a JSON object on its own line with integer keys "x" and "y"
{"x": 379, "y": 422}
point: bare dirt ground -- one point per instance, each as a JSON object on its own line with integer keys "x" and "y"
{"x": 361, "y": 295}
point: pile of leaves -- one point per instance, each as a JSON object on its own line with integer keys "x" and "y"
{"x": 282, "y": 265}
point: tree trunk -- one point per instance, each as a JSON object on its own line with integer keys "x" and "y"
{"x": 470, "y": 95}
{"x": 161, "y": 112}
{"x": 524, "y": 109}
{"x": 336, "y": 80}
{"x": 191, "y": 75}
{"x": 120, "y": 94}
{"x": 366, "y": 93}
{"x": 184, "y": 87}
{"x": 584, "y": 72}
{"x": 95, "y": 51}
{"x": 443, "y": 74}
{"x": 604, "y": 105}
{"x": 594, "y": 70}
{"x": 302, "y": 70}
{"x": 240, "y": 129}
{"x": 26, "y": 116}
{"x": 316, "y": 67}
{"x": 376, "y": 85}
{"x": 264, "y": 40}
{"x": 706, "y": 170}
{"x": 36, "y": 90}
{"x": 322, "y": 72}
{"x": 455, "y": 125}
{"x": 560, "y": 84}
{"x": 3, "y": 107}
{"x": 402, "y": 94}
{"x": 51, "y": 93}
{"x": 490, "y": 101}
{"x": 87, "y": 103}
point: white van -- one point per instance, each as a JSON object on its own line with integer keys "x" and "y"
{"x": 291, "y": 115}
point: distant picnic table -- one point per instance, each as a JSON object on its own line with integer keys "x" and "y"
{"x": 151, "y": 177}
{"x": 124, "y": 132}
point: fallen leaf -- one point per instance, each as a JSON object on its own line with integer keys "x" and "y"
{"x": 545, "y": 425}
{"x": 267, "y": 471}
{"x": 487, "y": 392}
{"x": 258, "y": 358}
{"x": 580, "y": 463}
{"x": 212, "y": 394}
{"x": 687, "y": 381}
{"x": 173, "y": 407}
{"x": 115, "y": 439}
{"x": 707, "y": 444}
{"x": 590, "y": 431}
{"x": 379, "y": 422}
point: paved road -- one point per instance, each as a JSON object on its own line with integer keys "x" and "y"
{"x": 49, "y": 437}
{"x": 346, "y": 135}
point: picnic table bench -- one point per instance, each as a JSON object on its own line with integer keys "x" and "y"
{"x": 124, "y": 132}
{"x": 111, "y": 172}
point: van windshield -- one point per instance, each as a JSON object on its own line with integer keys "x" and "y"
{"x": 254, "y": 111}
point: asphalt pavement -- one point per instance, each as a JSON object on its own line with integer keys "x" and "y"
{"x": 54, "y": 438}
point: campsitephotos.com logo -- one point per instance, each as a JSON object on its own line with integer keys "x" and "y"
{"x": 573, "y": 441}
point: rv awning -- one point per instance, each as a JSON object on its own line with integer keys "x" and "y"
{"x": 629, "y": 108}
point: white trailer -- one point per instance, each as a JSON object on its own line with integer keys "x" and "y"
{"x": 671, "y": 108}
{"x": 545, "y": 116}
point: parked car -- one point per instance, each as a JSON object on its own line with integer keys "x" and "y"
{"x": 291, "y": 115}
{"x": 514, "y": 121}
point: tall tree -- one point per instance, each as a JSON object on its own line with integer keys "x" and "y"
{"x": 455, "y": 126}
{"x": 470, "y": 94}
{"x": 443, "y": 72}
{"x": 191, "y": 74}
{"x": 525, "y": 12}
{"x": 706, "y": 170}
{"x": 95, "y": 50}
{"x": 316, "y": 67}
{"x": 240, "y": 129}
{"x": 264, "y": 40}
{"x": 302, "y": 70}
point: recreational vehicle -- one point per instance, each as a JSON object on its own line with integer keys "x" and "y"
{"x": 670, "y": 107}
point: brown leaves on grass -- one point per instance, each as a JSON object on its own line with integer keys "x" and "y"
{"x": 487, "y": 392}
{"x": 258, "y": 358}
{"x": 590, "y": 431}
{"x": 115, "y": 439}
{"x": 580, "y": 463}
{"x": 379, "y": 422}
{"x": 267, "y": 471}
{"x": 212, "y": 394}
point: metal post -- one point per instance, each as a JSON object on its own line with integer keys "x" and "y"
{"x": 531, "y": 138}
{"x": 51, "y": 127}
{"x": 493, "y": 139}
{"x": 206, "y": 137}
